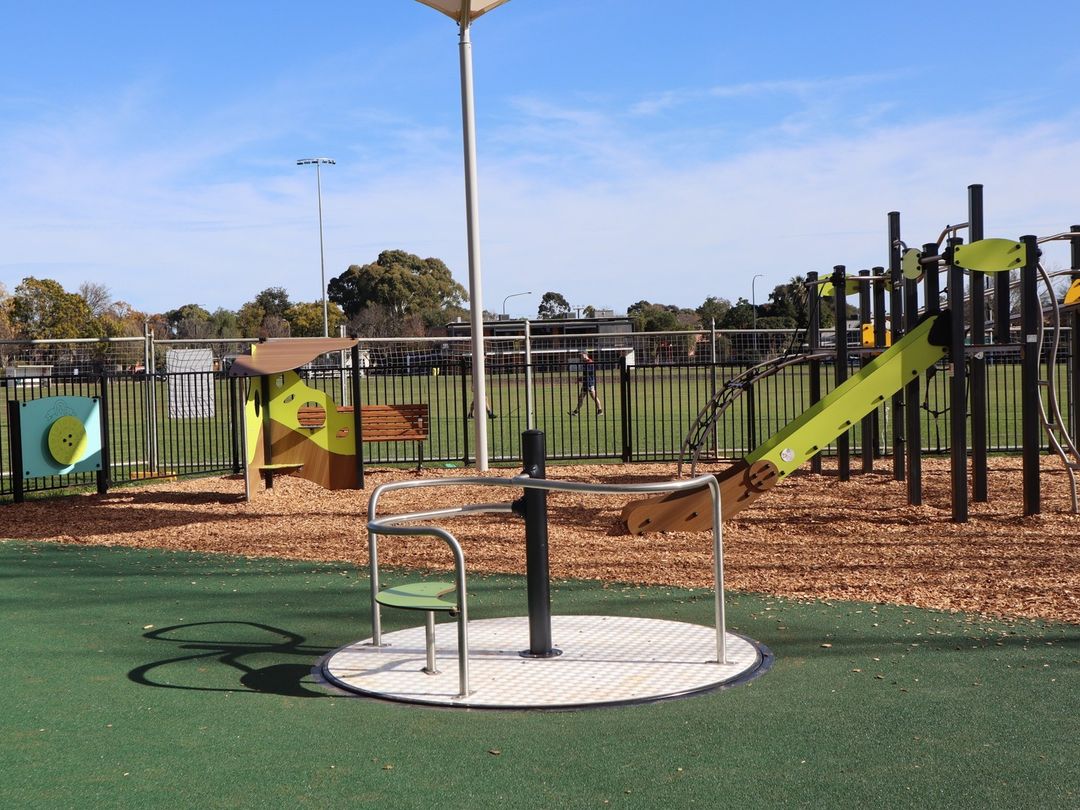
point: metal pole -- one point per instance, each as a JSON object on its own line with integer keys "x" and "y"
{"x": 358, "y": 417}
{"x": 957, "y": 389}
{"x": 472, "y": 221}
{"x": 813, "y": 339}
{"x": 977, "y": 294}
{"x": 538, "y": 582}
{"x": 868, "y": 426}
{"x": 1031, "y": 430}
{"x": 1074, "y": 337}
{"x": 322, "y": 254}
{"x": 912, "y": 419}
{"x": 879, "y": 343}
{"x": 530, "y": 401}
{"x": 843, "y": 443}
{"x": 896, "y": 323}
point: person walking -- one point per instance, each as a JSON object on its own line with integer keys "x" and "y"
{"x": 588, "y": 385}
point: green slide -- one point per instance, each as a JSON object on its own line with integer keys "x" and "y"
{"x": 793, "y": 445}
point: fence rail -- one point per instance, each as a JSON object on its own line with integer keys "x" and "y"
{"x": 648, "y": 409}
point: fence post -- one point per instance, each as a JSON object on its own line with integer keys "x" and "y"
{"x": 106, "y": 456}
{"x": 465, "y": 412}
{"x": 234, "y": 422}
{"x": 358, "y": 418}
{"x": 15, "y": 447}
{"x": 624, "y": 397}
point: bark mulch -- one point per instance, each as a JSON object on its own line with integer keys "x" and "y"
{"x": 812, "y": 537}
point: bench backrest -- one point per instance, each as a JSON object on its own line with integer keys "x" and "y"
{"x": 382, "y": 423}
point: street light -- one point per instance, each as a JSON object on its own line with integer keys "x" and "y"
{"x": 753, "y": 298}
{"x": 318, "y": 161}
{"x": 512, "y": 295}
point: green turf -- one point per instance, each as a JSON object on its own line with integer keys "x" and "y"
{"x": 149, "y": 679}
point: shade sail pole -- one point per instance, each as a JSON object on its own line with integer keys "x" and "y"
{"x": 472, "y": 221}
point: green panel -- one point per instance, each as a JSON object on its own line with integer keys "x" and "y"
{"x": 991, "y": 255}
{"x": 910, "y": 266}
{"x": 418, "y": 596}
{"x": 37, "y": 420}
{"x": 834, "y": 414}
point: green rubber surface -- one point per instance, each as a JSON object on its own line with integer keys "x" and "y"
{"x": 145, "y": 679}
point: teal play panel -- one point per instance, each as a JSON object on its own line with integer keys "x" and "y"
{"x": 60, "y": 435}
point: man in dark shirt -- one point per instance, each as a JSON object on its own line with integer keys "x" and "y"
{"x": 588, "y": 385}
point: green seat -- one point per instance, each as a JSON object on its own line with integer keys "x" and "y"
{"x": 420, "y": 596}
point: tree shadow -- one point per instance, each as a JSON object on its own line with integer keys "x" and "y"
{"x": 285, "y": 678}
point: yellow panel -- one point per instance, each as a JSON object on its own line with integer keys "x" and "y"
{"x": 991, "y": 255}
{"x": 1072, "y": 296}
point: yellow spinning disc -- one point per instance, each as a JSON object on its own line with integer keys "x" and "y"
{"x": 67, "y": 440}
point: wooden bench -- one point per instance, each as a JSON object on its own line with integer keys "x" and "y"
{"x": 381, "y": 423}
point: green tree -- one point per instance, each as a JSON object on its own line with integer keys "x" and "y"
{"x": 552, "y": 305}
{"x": 713, "y": 309}
{"x": 189, "y": 321}
{"x": 740, "y": 316}
{"x": 41, "y": 308}
{"x": 401, "y": 284}
{"x": 649, "y": 317}
{"x": 274, "y": 301}
{"x": 306, "y": 319}
{"x": 224, "y": 323}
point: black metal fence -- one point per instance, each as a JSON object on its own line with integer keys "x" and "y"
{"x": 646, "y": 413}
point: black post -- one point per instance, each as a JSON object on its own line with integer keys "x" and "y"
{"x": 977, "y": 287}
{"x": 624, "y": 399}
{"x": 1030, "y": 312}
{"x": 958, "y": 389}
{"x": 15, "y": 443}
{"x": 537, "y": 580}
{"x": 912, "y": 422}
{"x": 879, "y": 343}
{"x": 843, "y": 442}
{"x": 813, "y": 339}
{"x": 465, "y": 412}
{"x": 896, "y": 318}
{"x": 867, "y": 425}
{"x": 1074, "y": 343}
{"x": 232, "y": 386}
{"x": 103, "y": 415}
{"x": 358, "y": 416}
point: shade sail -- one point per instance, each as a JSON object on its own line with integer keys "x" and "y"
{"x": 285, "y": 354}
{"x": 463, "y": 10}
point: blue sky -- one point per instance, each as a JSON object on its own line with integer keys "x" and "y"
{"x": 627, "y": 150}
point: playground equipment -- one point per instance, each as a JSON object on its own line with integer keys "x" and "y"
{"x": 832, "y": 416}
{"x": 56, "y": 436}
{"x": 291, "y": 428}
{"x": 600, "y": 660}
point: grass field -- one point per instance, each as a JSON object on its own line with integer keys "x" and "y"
{"x": 154, "y": 679}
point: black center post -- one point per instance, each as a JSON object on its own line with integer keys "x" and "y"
{"x": 533, "y": 507}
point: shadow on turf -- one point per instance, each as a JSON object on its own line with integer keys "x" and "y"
{"x": 284, "y": 678}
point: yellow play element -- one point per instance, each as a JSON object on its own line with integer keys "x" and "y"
{"x": 67, "y": 440}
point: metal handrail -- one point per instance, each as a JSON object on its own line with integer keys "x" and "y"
{"x": 390, "y": 525}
